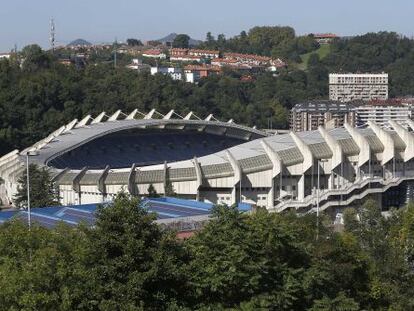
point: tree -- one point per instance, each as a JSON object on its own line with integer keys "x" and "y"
{"x": 42, "y": 189}
{"x": 181, "y": 41}
{"x": 209, "y": 38}
{"x": 42, "y": 269}
{"x": 339, "y": 303}
{"x": 135, "y": 264}
{"x": 255, "y": 261}
{"x": 134, "y": 42}
{"x": 152, "y": 193}
{"x": 34, "y": 58}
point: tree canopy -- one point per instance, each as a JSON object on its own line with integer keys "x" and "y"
{"x": 181, "y": 41}
{"x": 262, "y": 261}
{"x": 42, "y": 190}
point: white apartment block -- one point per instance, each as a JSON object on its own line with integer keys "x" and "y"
{"x": 382, "y": 114}
{"x": 350, "y": 86}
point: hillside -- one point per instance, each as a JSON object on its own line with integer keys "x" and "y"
{"x": 323, "y": 51}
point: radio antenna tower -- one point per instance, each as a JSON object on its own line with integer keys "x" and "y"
{"x": 52, "y": 34}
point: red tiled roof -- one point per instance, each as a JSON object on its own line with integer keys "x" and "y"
{"x": 202, "y": 67}
{"x": 224, "y": 60}
{"x": 152, "y": 52}
{"x": 247, "y": 56}
{"x": 324, "y": 35}
{"x": 203, "y": 51}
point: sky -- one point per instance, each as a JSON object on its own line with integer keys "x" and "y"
{"x": 24, "y": 22}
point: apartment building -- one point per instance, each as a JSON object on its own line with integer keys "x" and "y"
{"x": 351, "y": 86}
{"x": 308, "y": 116}
{"x": 381, "y": 112}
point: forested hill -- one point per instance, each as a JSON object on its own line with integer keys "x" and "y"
{"x": 39, "y": 95}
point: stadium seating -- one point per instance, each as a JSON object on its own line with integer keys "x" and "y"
{"x": 122, "y": 149}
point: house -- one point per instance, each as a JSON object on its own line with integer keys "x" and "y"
{"x": 174, "y": 73}
{"x": 209, "y": 54}
{"x": 324, "y": 38}
{"x": 192, "y": 55}
{"x": 186, "y": 58}
{"x": 5, "y": 55}
{"x": 138, "y": 65}
{"x": 177, "y": 52}
{"x": 193, "y": 73}
{"x": 248, "y": 59}
{"x": 154, "y": 53}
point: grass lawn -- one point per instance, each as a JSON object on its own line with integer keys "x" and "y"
{"x": 322, "y": 51}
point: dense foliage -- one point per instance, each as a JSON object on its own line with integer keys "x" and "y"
{"x": 43, "y": 192}
{"x": 237, "y": 262}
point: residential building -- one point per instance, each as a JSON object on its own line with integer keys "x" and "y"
{"x": 210, "y": 54}
{"x": 248, "y": 59}
{"x": 324, "y": 38}
{"x": 191, "y": 55}
{"x": 174, "y": 73}
{"x": 308, "y": 116}
{"x": 4, "y": 55}
{"x": 381, "y": 112}
{"x": 231, "y": 63}
{"x": 138, "y": 65}
{"x": 154, "y": 53}
{"x": 358, "y": 86}
{"x": 193, "y": 73}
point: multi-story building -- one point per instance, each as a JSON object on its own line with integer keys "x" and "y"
{"x": 308, "y": 116}
{"x": 381, "y": 112}
{"x": 365, "y": 86}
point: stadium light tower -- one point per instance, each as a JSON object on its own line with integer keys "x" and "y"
{"x": 29, "y": 216}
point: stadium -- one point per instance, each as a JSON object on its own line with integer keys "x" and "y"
{"x": 93, "y": 159}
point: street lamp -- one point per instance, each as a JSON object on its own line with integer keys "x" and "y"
{"x": 29, "y": 154}
{"x": 317, "y": 196}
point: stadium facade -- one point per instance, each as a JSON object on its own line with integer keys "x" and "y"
{"x": 93, "y": 159}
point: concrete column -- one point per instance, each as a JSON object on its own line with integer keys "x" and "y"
{"x": 301, "y": 188}
{"x": 131, "y": 180}
{"x": 199, "y": 177}
{"x": 76, "y": 183}
{"x": 237, "y": 176}
{"x": 386, "y": 139}
{"x": 276, "y": 170}
{"x": 101, "y": 182}
{"x": 362, "y": 142}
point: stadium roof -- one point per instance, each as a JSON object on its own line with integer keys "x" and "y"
{"x": 77, "y": 133}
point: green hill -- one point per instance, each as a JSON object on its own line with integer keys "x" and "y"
{"x": 322, "y": 52}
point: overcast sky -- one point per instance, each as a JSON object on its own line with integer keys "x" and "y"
{"x": 27, "y": 21}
